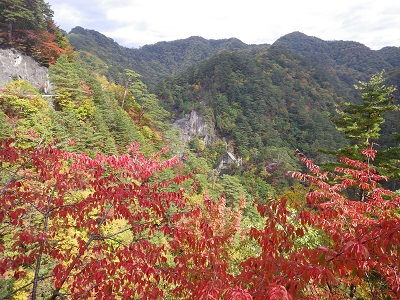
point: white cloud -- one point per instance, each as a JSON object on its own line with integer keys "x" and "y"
{"x": 136, "y": 23}
{"x": 66, "y": 15}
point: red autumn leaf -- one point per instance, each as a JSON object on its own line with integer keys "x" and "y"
{"x": 195, "y": 258}
{"x": 277, "y": 292}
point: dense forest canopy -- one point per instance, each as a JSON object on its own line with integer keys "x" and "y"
{"x": 102, "y": 197}
{"x": 258, "y": 103}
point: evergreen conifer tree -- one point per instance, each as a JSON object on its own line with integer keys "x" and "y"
{"x": 24, "y": 15}
{"x": 361, "y": 124}
{"x": 15, "y": 13}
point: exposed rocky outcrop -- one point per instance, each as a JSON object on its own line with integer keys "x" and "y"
{"x": 194, "y": 126}
{"x": 14, "y": 64}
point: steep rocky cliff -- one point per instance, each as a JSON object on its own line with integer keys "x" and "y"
{"x": 14, "y": 64}
{"x": 194, "y": 126}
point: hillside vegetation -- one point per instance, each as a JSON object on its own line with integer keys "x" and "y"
{"x": 101, "y": 198}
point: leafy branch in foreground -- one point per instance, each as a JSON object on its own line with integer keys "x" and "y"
{"x": 57, "y": 216}
{"x": 78, "y": 227}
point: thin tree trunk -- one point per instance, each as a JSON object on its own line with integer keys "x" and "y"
{"x": 56, "y": 292}
{"x": 41, "y": 247}
{"x": 123, "y": 98}
{"x": 10, "y": 31}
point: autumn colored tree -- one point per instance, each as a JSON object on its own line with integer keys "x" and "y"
{"x": 325, "y": 247}
{"x": 202, "y": 247}
{"x": 25, "y": 111}
{"x": 42, "y": 45}
{"x": 72, "y": 226}
{"x": 19, "y": 99}
{"x": 29, "y": 27}
{"x": 358, "y": 253}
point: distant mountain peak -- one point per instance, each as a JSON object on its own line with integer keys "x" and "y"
{"x": 334, "y": 54}
{"x": 297, "y": 34}
{"x": 297, "y": 37}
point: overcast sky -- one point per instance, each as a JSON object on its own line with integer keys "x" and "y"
{"x": 134, "y": 23}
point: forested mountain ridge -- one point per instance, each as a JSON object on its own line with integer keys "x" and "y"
{"x": 349, "y": 60}
{"x": 153, "y": 62}
{"x": 344, "y": 63}
{"x": 349, "y": 53}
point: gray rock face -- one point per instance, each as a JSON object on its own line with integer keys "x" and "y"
{"x": 14, "y": 64}
{"x": 194, "y": 126}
